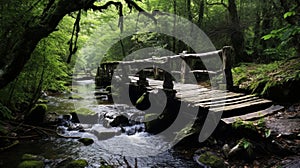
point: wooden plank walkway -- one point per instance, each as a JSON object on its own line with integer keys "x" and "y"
{"x": 233, "y": 105}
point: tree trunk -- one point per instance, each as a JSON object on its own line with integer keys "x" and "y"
{"x": 237, "y": 35}
{"x": 174, "y": 27}
{"x": 19, "y": 53}
{"x": 266, "y": 23}
{"x": 201, "y": 13}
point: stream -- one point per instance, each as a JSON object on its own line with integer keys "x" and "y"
{"x": 110, "y": 143}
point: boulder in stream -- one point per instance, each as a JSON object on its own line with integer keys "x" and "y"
{"x": 86, "y": 141}
{"x": 31, "y": 164}
{"x": 32, "y": 161}
{"x": 80, "y": 163}
{"x": 120, "y": 120}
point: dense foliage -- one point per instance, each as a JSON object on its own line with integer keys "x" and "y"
{"x": 42, "y": 35}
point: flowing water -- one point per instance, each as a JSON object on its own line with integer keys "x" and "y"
{"x": 110, "y": 143}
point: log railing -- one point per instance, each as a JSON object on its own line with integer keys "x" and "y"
{"x": 225, "y": 53}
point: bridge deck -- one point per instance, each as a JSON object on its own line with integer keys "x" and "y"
{"x": 234, "y": 105}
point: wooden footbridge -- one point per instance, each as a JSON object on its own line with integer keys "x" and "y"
{"x": 215, "y": 98}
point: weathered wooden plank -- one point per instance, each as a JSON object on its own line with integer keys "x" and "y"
{"x": 180, "y": 88}
{"x": 250, "y": 99}
{"x": 210, "y": 98}
{"x": 229, "y": 99}
{"x": 200, "y": 95}
{"x": 192, "y": 93}
{"x": 197, "y": 96}
{"x": 242, "y": 105}
{"x": 255, "y": 115}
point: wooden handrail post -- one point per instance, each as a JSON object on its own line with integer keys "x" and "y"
{"x": 227, "y": 65}
{"x": 155, "y": 72}
{"x": 183, "y": 66}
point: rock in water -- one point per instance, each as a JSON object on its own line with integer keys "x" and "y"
{"x": 31, "y": 164}
{"x": 80, "y": 163}
{"x": 120, "y": 120}
{"x": 75, "y": 118}
{"x": 32, "y": 161}
{"x": 86, "y": 141}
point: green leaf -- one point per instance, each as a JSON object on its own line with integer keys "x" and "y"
{"x": 268, "y": 133}
{"x": 268, "y": 36}
{"x": 246, "y": 144}
{"x": 140, "y": 100}
{"x": 288, "y": 14}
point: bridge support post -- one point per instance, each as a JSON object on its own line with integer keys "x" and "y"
{"x": 227, "y": 65}
{"x": 142, "y": 79}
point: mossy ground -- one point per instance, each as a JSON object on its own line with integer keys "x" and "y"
{"x": 277, "y": 80}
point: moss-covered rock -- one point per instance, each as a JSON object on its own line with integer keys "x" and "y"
{"x": 27, "y": 156}
{"x": 80, "y": 163}
{"x": 86, "y": 141}
{"x": 106, "y": 166}
{"x": 76, "y": 97}
{"x": 37, "y": 114}
{"x": 150, "y": 116}
{"x": 31, "y": 164}
{"x": 42, "y": 101}
{"x": 84, "y": 111}
{"x": 211, "y": 160}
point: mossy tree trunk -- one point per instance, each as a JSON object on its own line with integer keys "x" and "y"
{"x": 21, "y": 40}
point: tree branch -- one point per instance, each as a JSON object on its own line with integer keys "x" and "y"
{"x": 218, "y": 3}
{"x": 131, "y": 4}
{"x": 76, "y": 29}
{"x": 118, "y": 5}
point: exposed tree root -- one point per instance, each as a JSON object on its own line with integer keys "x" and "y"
{"x": 9, "y": 146}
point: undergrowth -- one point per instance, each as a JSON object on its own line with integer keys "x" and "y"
{"x": 259, "y": 78}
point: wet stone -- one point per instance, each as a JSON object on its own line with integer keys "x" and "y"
{"x": 120, "y": 120}
{"x": 86, "y": 141}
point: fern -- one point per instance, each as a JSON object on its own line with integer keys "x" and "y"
{"x": 5, "y": 113}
